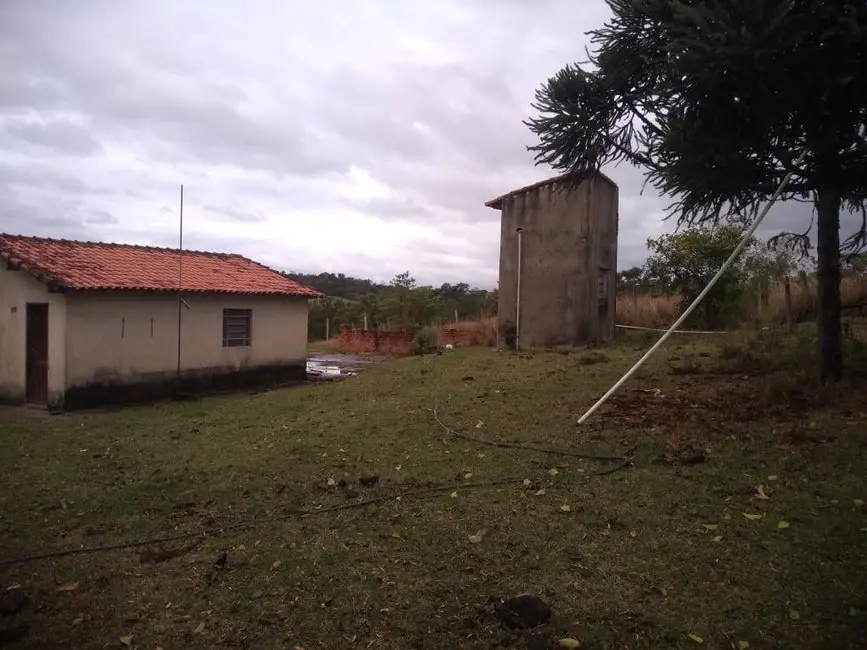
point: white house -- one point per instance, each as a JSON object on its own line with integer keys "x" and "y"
{"x": 84, "y": 323}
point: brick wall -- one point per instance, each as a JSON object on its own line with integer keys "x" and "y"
{"x": 396, "y": 342}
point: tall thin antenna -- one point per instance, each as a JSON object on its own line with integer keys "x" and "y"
{"x": 180, "y": 276}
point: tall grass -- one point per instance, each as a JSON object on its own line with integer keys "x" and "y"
{"x": 660, "y": 311}
{"x": 475, "y": 332}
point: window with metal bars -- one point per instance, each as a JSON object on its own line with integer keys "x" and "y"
{"x": 237, "y": 327}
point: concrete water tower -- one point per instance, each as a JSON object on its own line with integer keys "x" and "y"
{"x": 558, "y": 263}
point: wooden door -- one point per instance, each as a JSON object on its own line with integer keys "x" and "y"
{"x": 37, "y": 353}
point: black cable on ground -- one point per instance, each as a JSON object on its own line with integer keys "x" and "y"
{"x": 623, "y": 461}
{"x": 250, "y": 523}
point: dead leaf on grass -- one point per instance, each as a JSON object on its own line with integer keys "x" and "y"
{"x": 331, "y": 482}
{"x": 794, "y": 614}
{"x": 569, "y": 644}
{"x": 78, "y": 620}
{"x": 633, "y": 533}
{"x": 540, "y": 493}
{"x": 711, "y": 526}
{"x": 126, "y": 639}
{"x": 718, "y": 538}
{"x": 783, "y": 524}
{"x": 276, "y": 565}
{"x": 760, "y": 493}
{"x": 199, "y": 628}
{"x": 468, "y": 476}
{"x": 479, "y": 536}
{"x": 727, "y": 515}
{"x": 743, "y": 645}
{"x": 566, "y": 508}
{"x": 858, "y": 502}
{"x": 553, "y": 471}
{"x": 695, "y": 637}
{"x": 752, "y": 517}
{"x": 527, "y": 482}
{"x": 68, "y": 586}
{"x": 454, "y": 495}
{"x": 772, "y": 477}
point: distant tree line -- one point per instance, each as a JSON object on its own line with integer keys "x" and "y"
{"x": 398, "y": 304}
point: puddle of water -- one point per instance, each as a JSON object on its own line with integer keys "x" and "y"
{"x": 335, "y": 365}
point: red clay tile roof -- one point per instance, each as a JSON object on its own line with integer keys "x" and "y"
{"x": 497, "y": 203}
{"x": 76, "y": 265}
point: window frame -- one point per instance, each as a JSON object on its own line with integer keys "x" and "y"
{"x": 243, "y": 317}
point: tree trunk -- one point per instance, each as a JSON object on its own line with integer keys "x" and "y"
{"x": 830, "y": 331}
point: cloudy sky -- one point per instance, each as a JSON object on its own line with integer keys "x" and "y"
{"x": 354, "y": 136}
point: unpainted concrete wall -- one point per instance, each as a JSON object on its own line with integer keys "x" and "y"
{"x": 17, "y": 288}
{"x": 568, "y": 276}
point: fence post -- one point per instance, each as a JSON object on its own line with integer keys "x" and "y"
{"x": 365, "y": 322}
{"x": 327, "y": 328}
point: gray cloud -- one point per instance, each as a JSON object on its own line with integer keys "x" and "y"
{"x": 59, "y": 135}
{"x": 359, "y": 136}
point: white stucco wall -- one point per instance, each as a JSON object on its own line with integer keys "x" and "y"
{"x": 128, "y": 337}
{"x": 17, "y": 288}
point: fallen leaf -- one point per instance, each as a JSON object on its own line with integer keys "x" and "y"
{"x": 727, "y": 515}
{"x": 711, "y": 526}
{"x": 859, "y": 502}
{"x": 199, "y": 628}
{"x": 78, "y": 620}
{"x": 633, "y": 533}
{"x": 772, "y": 477}
{"x": 68, "y": 586}
{"x": 794, "y": 614}
{"x": 718, "y": 538}
{"x": 695, "y": 637}
{"x": 276, "y": 565}
{"x": 853, "y": 611}
{"x": 479, "y": 424}
{"x": 397, "y": 536}
{"x": 528, "y": 482}
{"x": 126, "y": 639}
{"x": 566, "y": 508}
{"x": 553, "y": 471}
{"x": 743, "y": 645}
{"x": 397, "y": 468}
{"x": 479, "y": 536}
{"x": 454, "y": 495}
{"x": 331, "y": 482}
{"x": 540, "y": 493}
{"x": 468, "y": 476}
{"x": 752, "y": 517}
{"x": 569, "y": 644}
{"x": 760, "y": 493}
{"x": 783, "y": 524}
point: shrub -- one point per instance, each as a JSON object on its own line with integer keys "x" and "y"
{"x": 424, "y": 341}
{"x": 510, "y": 334}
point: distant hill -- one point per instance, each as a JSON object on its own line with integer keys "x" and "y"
{"x": 338, "y": 285}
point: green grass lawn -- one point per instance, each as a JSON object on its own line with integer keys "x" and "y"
{"x": 640, "y": 558}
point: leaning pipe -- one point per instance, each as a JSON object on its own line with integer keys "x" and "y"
{"x": 520, "y": 232}
{"x": 700, "y": 297}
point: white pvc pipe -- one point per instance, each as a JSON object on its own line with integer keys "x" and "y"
{"x": 750, "y": 231}
{"x": 520, "y": 232}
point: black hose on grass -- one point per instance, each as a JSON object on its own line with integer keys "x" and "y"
{"x": 623, "y": 463}
{"x": 250, "y": 523}
{"x": 624, "y": 460}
